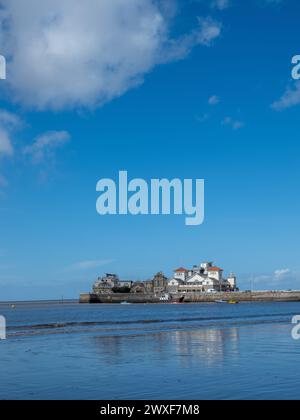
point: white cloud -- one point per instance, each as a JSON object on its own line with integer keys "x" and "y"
{"x": 202, "y": 118}
{"x": 220, "y": 4}
{"x": 214, "y": 100}
{"x": 66, "y": 54}
{"x": 88, "y": 265}
{"x": 210, "y": 29}
{"x": 6, "y": 147}
{"x": 237, "y": 125}
{"x": 45, "y": 145}
{"x": 281, "y": 279}
{"x": 280, "y": 274}
{"x": 8, "y": 119}
{"x": 290, "y": 98}
{"x": 234, "y": 124}
{"x": 8, "y": 122}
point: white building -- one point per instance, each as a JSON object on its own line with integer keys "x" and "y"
{"x": 181, "y": 274}
{"x": 215, "y": 273}
{"x": 202, "y": 278}
{"x": 232, "y": 281}
{"x": 173, "y": 285}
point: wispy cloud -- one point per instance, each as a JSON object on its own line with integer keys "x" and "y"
{"x": 289, "y": 99}
{"x": 234, "y": 124}
{"x": 207, "y": 32}
{"x": 202, "y": 118}
{"x": 9, "y": 119}
{"x": 273, "y": 1}
{"x": 220, "y": 4}
{"x": 214, "y": 100}
{"x": 282, "y": 273}
{"x": 88, "y": 265}
{"x": 45, "y": 145}
{"x": 6, "y": 147}
{"x": 210, "y": 30}
{"x": 280, "y": 279}
{"x": 8, "y": 123}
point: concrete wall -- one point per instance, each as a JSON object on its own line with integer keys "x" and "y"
{"x": 245, "y": 297}
{"x": 119, "y": 298}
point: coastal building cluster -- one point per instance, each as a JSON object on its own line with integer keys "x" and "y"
{"x": 205, "y": 278}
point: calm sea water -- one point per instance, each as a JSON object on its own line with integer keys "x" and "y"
{"x": 214, "y": 351}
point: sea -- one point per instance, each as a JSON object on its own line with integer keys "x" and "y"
{"x": 66, "y": 350}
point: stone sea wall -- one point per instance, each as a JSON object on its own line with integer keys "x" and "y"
{"x": 267, "y": 296}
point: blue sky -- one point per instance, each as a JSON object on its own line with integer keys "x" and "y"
{"x": 188, "y": 90}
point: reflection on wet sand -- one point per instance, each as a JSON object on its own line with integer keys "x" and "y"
{"x": 150, "y": 352}
{"x": 208, "y": 346}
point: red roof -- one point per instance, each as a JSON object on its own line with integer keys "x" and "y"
{"x": 214, "y": 269}
{"x": 181, "y": 270}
